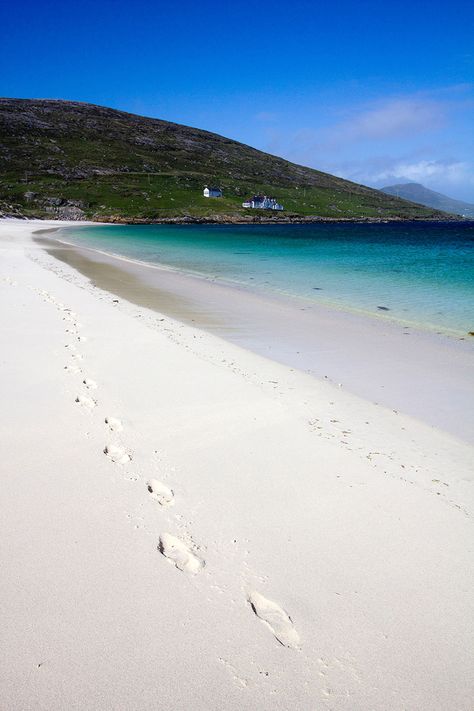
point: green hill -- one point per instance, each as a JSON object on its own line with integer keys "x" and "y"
{"x": 73, "y": 160}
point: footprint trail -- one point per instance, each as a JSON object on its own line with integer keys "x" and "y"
{"x": 179, "y": 554}
{"x": 90, "y": 384}
{"x": 160, "y": 492}
{"x": 86, "y": 401}
{"x": 117, "y": 454}
{"x": 115, "y": 425}
{"x": 276, "y": 619}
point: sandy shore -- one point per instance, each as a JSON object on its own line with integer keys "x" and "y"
{"x": 424, "y": 374}
{"x": 189, "y": 525}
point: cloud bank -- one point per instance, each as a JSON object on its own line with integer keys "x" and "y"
{"x": 442, "y": 175}
{"x": 393, "y": 118}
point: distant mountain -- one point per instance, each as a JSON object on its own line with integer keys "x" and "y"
{"x": 415, "y": 192}
{"x": 72, "y": 160}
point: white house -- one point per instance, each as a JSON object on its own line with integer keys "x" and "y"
{"x": 212, "y": 192}
{"x": 262, "y": 202}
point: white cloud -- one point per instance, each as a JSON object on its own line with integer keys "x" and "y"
{"x": 368, "y": 128}
{"x": 450, "y": 171}
{"x": 444, "y": 175}
{"x": 392, "y": 119}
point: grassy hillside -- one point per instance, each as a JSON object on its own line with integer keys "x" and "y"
{"x": 73, "y": 160}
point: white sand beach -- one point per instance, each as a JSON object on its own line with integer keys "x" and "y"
{"x": 187, "y": 525}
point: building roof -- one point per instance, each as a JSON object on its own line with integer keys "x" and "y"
{"x": 260, "y": 198}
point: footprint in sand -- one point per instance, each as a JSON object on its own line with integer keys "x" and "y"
{"x": 86, "y": 401}
{"x": 72, "y": 368}
{"x": 160, "y": 492}
{"x": 179, "y": 554}
{"x": 90, "y": 384}
{"x": 115, "y": 425}
{"x": 117, "y": 454}
{"x": 276, "y": 619}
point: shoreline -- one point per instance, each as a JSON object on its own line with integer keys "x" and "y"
{"x": 244, "y": 220}
{"x": 275, "y": 296}
{"x": 262, "y": 220}
{"x": 388, "y": 360}
{"x": 187, "y": 524}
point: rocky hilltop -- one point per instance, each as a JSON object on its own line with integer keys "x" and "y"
{"x": 72, "y": 160}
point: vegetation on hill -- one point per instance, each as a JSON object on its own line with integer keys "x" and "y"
{"x": 80, "y": 161}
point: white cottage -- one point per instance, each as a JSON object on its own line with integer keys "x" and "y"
{"x": 212, "y": 192}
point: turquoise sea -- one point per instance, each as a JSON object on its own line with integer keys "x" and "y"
{"x": 417, "y": 273}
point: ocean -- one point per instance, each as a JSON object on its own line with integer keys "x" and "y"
{"x": 421, "y": 274}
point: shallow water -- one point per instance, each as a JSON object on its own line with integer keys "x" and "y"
{"x": 418, "y": 273}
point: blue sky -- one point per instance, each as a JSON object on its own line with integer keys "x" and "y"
{"x": 372, "y": 91}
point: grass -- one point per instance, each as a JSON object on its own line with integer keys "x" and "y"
{"x": 152, "y": 196}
